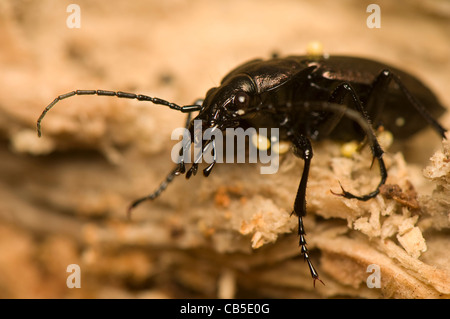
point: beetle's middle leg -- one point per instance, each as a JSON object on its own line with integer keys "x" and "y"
{"x": 304, "y": 150}
{"x": 339, "y": 96}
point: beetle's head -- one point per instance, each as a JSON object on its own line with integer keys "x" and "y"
{"x": 225, "y": 106}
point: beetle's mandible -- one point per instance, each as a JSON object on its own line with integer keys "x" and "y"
{"x": 307, "y": 98}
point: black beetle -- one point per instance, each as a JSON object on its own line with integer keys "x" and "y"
{"x": 307, "y": 98}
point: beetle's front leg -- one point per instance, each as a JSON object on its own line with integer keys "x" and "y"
{"x": 304, "y": 150}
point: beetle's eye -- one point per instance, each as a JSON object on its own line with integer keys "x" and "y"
{"x": 241, "y": 100}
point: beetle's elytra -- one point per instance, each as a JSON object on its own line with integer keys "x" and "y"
{"x": 307, "y": 98}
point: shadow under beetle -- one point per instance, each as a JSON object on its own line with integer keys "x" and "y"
{"x": 307, "y": 98}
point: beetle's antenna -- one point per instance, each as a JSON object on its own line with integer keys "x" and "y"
{"x": 139, "y": 97}
{"x": 178, "y": 170}
{"x": 156, "y": 193}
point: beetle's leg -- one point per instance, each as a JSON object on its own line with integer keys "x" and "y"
{"x": 304, "y": 150}
{"x": 339, "y": 96}
{"x": 378, "y": 154}
{"x": 139, "y": 97}
{"x": 341, "y": 92}
{"x": 378, "y": 96}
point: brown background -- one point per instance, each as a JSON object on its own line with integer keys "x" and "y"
{"x": 63, "y": 197}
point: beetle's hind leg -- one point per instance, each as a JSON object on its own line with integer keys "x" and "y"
{"x": 378, "y": 153}
{"x": 304, "y": 150}
{"x": 339, "y": 96}
{"x": 378, "y": 95}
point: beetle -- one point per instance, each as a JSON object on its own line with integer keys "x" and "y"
{"x": 308, "y": 98}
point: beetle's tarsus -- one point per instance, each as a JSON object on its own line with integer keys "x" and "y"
{"x": 314, "y": 281}
{"x": 344, "y": 192}
{"x": 349, "y": 195}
